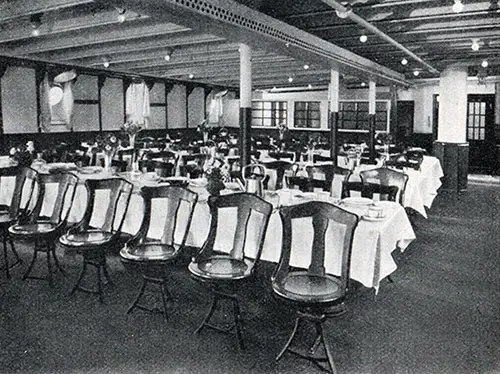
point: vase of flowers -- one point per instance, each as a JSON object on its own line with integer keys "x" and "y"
{"x": 132, "y": 128}
{"x": 384, "y": 139}
{"x": 203, "y": 129}
{"x": 108, "y": 145}
{"x": 311, "y": 146}
{"x": 215, "y": 181}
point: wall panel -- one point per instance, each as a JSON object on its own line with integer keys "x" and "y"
{"x": 176, "y": 107}
{"x": 112, "y": 104}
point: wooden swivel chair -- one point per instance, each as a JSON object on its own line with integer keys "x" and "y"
{"x": 280, "y": 167}
{"x": 96, "y": 232}
{"x": 375, "y": 180}
{"x": 151, "y": 256}
{"x": 224, "y": 269}
{"x": 315, "y": 293}
{"x": 9, "y": 214}
{"x": 45, "y": 223}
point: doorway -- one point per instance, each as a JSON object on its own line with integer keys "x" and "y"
{"x": 405, "y": 114}
{"x": 481, "y": 133}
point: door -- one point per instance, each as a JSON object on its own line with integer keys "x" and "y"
{"x": 481, "y": 132}
{"x": 405, "y": 113}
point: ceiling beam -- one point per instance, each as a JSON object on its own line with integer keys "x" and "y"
{"x": 238, "y": 23}
{"x": 102, "y": 34}
{"x": 12, "y": 9}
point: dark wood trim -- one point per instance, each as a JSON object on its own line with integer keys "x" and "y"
{"x": 333, "y": 124}
{"x": 245, "y": 135}
{"x": 100, "y": 84}
{"x": 168, "y": 88}
{"x": 39, "y": 76}
{"x": 371, "y": 137}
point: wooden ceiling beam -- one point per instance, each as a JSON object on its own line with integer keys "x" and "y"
{"x": 13, "y": 9}
{"x": 102, "y": 34}
{"x": 238, "y": 23}
{"x": 187, "y": 38}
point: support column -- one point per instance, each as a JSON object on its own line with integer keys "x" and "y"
{"x": 333, "y": 114}
{"x": 372, "y": 90}
{"x": 245, "y": 103}
{"x": 451, "y": 146}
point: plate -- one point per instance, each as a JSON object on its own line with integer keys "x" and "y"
{"x": 386, "y": 204}
{"x": 90, "y": 170}
{"x": 374, "y": 219}
{"x": 198, "y": 182}
{"x": 361, "y": 201}
{"x": 232, "y": 186}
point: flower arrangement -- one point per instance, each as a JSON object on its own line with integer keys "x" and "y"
{"x": 107, "y": 144}
{"x": 132, "y": 128}
{"x": 215, "y": 180}
{"x": 203, "y": 129}
{"x": 282, "y": 129}
{"x": 312, "y": 143}
{"x": 383, "y": 138}
{"x": 21, "y": 154}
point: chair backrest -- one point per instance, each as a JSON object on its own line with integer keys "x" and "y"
{"x": 107, "y": 204}
{"x": 283, "y": 156}
{"x": 333, "y": 231}
{"x": 24, "y": 185}
{"x": 55, "y": 197}
{"x": 173, "y": 204}
{"x": 164, "y": 169}
{"x": 328, "y": 178}
{"x": 192, "y": 164}
{"x": 385, "y": 177}
{"x": 280, "y": 167}
{"x": 252, "y": 218}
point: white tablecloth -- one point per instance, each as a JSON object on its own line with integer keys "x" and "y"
{"x": 373, "y": 244}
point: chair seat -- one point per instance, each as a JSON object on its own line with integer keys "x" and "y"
{"x": 5, "y": 219}
{"x": 221, "y": 267}
{"x": 306, "y": 288}
{"x": 86, "y": 238}
{"x": 152, "y": 251}
{"x": 34, "y": 229}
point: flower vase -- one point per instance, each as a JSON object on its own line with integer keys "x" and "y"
{"x": 108, "y": 158}
{"x": 134, "y": 161}
{"x": 310, "y": 156}
{"x": 386, "y": 149}
{"x": 205, "y": 137}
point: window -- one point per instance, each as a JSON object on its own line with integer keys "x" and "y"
{"x": 307, "y": 114}
{"x": 476, "y": 124}
{"x": 269, "y": 113}
{"x": 353, "y": 115}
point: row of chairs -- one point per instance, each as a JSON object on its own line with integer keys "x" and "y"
{"x": 315, "y": 294}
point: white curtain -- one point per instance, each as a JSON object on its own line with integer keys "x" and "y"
{"x": 215, "y": 107}
{"x": 137, "y": 103}
{"x": 67, "y": 103}
{"x": 45, "y": 110}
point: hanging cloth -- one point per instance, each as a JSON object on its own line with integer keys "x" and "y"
{"x": 45, "y": 112}
{"x": 137, "y": 103}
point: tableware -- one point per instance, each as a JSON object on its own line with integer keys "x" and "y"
{"x": 374, "y": 219}
{"x": 232, "y": 186}
{"x": 375, "y": 212}
{"x": 357, "y": 201}
{"x": 198, "y": 182}
{"x": 90, "y": 170}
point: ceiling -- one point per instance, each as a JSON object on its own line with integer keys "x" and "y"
{"x": 201, "y": 38}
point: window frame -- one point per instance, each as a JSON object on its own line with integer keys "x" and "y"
{"x": 277, "y": 107}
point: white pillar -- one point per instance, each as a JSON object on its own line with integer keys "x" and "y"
{"x": 453, "y": 105}
{"x": 333, "y": 113}
{"x": 245, "y": 103}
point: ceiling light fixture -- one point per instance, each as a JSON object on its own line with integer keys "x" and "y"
{"x": 363, "y": 38}
{"x": 105, "y": 62}
{"x": 475, "y": 45}
{"x": 404, "y": 61}
{"x": 484, "y": 64}
{"x": 309, "y": 86}
{"x": 306, "y": 67}
{"x": 416, "y": 73}
{"x": 458, "y": 6}
{"x": 121, "y": 14}
{"x": 290, "y": 79}
{"x": 363, "y": 84}
{"x": 191, "y": 76}
{"x": 36, "y": 22}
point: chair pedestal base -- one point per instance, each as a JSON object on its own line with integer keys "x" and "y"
{"x": 236, "y": 327}
{"x": 50, "y": 251}
{"x": 320, "y": 340}
{"x": 165, "y": 295}
{"x": 96, "y": 258}
{"x": 7, "y": 266}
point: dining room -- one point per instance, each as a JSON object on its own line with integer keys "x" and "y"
{"x": 249, "y": 187}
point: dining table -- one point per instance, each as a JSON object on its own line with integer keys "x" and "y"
{"x": 374, "y": 242}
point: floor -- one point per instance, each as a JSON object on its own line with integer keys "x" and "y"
{"x": 441, "y": 313}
